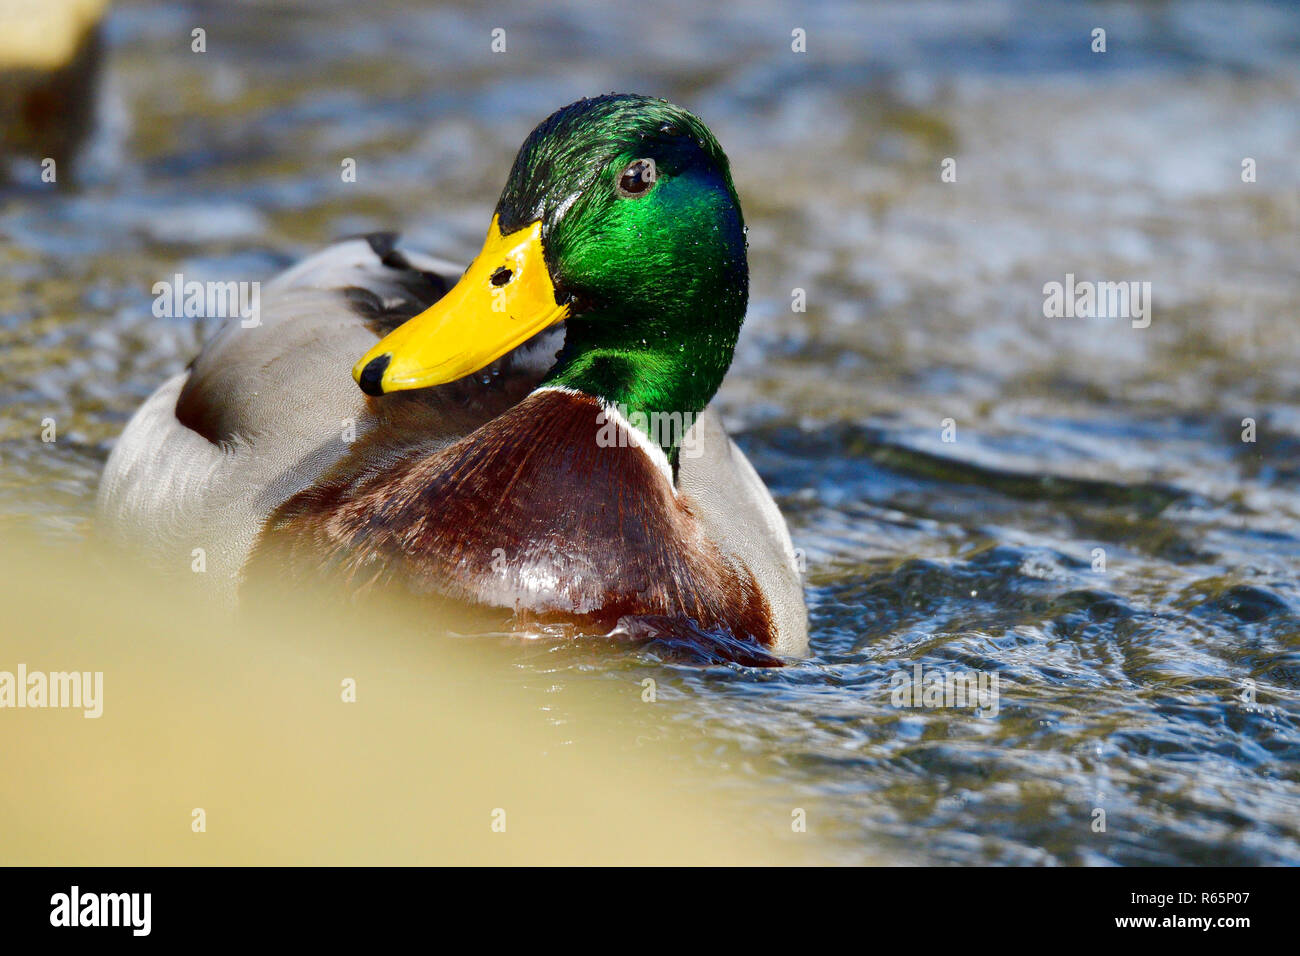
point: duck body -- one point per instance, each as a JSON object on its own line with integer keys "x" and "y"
{"x": 526, "y": 485}
{"x": 619, "y": 539}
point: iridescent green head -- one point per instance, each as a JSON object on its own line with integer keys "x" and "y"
{"x": 644, "y": 240}
{"x": 628, "y": 201}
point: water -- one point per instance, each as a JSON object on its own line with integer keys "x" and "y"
{"x": 1163, "y": 690}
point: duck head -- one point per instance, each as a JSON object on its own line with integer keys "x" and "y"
{"x": 620, "y": 220}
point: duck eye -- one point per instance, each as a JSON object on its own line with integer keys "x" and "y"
{"x": 502, "y": 276}
{"x": 637, "y": 178}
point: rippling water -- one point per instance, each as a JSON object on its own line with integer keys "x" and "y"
{"x": 1097, "y": 533}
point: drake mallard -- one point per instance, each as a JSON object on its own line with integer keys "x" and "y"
{"x": 532, "y": 435}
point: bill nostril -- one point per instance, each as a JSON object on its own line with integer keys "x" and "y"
{"x": 373, "y": 374}
{"x": 502, "y": 276}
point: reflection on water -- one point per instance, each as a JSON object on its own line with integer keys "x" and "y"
{"x": 1158, "y": 684}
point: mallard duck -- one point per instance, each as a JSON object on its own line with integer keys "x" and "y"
{"x": 532, "y": 435}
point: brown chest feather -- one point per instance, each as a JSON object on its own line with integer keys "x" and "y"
{"x": 531, "y": 513}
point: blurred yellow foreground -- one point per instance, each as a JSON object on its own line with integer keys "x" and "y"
{"x": 245, "y": 720}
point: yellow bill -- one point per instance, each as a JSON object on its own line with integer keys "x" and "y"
{"x": 503, "y": 299}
